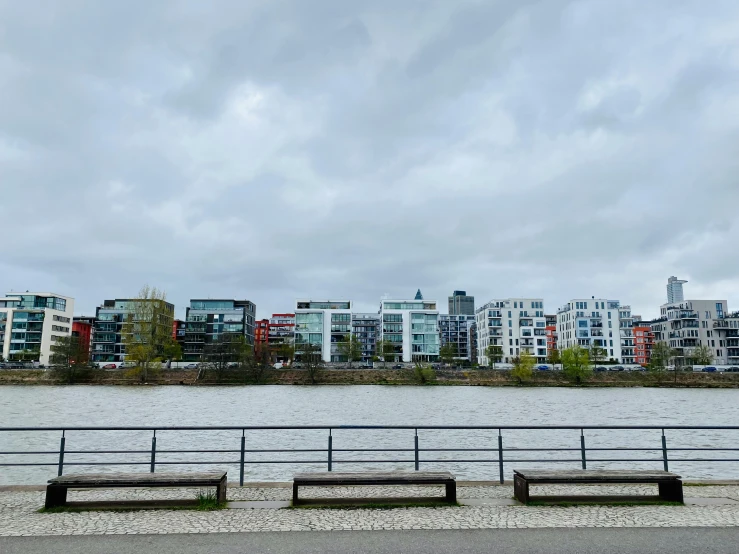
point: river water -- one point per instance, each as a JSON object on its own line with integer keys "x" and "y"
{"x": 362, "y": 405}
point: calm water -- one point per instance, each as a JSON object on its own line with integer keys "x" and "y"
{"x": 354, "y": 405}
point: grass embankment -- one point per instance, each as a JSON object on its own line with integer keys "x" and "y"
{"x": 484, "y": 378}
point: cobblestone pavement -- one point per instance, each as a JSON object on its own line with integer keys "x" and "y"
{"x": 18, "y": 512}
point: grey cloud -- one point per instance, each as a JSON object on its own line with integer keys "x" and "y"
{"x": 274, "y": 150}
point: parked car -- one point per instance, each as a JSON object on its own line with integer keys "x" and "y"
{"x": 542, "y": 367}
{"x": 109, "y": 366}
{"x": 126, "y": 365}
{"x": 601, "y": 368}
{"x": 397, "y": 366}
{"x": 2, "y": 365}
{"x": 617, "y": 368}
{"x": 709, "y": 369}
{"x": 733, "y": 369}
{"x": 191, "y": 366}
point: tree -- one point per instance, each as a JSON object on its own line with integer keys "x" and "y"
{"x": 286, "y": 351}
{"x": 597, "y": 354}
{"x": 384, "y": 350}
{"x": 147, "y": 330}
{"x": 554, "y": 358}
{"x": 701, "y": 355}
{"x": 576, "y": 363}
{"x": 660, "y": 357}
{"x": 351, "y": 348}
{"x": 311, "y": 359}
{"x": 423, "y": 373}
{"x": 494, "y": 353}
{"x": 69, "y": 359}
{"x": 27, "y": 355}
{"x": 226, "y": 352}
{"x": 173, "y": 352}
{"x": 448, "y": 352}
{"x": 257, "y": 365}
{"x": 523, "y": 367}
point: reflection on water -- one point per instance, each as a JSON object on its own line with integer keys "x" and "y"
{"x": 365, "y": 405}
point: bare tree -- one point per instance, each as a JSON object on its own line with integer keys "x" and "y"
{"x": 147, "y": 330}
{"x": 70, "y": 360}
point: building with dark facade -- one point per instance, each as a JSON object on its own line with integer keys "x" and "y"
{"x": 461, "y": 304}
{"x": 208, "y": 319}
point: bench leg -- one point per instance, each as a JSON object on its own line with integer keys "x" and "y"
{"x": 671, "y": 491}
{"x": 221, "y": 491}
{"x": 521, "y": 489}
{"x": 295, "y": 494}
{"x": 451, "y": 493}
{"x": 55, "y": 496}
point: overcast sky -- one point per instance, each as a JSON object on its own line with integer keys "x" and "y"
{"x": 274, "y": 150}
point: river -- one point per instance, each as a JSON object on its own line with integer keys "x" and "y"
{"x": 362, "y": 405}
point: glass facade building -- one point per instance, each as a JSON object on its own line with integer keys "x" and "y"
{"x": 207, "y": 320}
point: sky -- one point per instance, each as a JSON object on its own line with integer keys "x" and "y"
{"x": 282, "y": 149}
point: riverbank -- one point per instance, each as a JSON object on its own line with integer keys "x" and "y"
{"x": 484, "y": 378}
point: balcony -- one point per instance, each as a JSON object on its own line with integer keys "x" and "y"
{"x": 526, "y": 323}
{"x": 687, "y": 314}
{"x": 596, "y": 324}
{"x": 720, "y": 324}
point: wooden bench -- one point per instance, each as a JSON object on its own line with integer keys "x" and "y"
{"x": 670, "y": 486}
{"x": 56, "y": 490}
{"x": 336, "y": 479}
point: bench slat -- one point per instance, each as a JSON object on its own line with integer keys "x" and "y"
{"x": 134, "y": 479}
{"x": 596, "y": 475}
{"x": 410, "y": 476}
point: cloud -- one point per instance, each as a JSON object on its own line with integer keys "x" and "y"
{"x": 331, "y": 149}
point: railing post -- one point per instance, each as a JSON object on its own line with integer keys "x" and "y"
{"x": 153, "y": 452}
{"x": 582, "y": 449}
{"x": 664, "y": 450}
{"x": 61, "y": 455}
{"x": 500, "y": 456}
{"x": 330, "y": 450}
{"x": 241, "y": 466}
{"x": 416, "y": 449}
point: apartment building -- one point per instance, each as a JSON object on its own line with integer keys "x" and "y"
{"x": 108, "y": 335}
{"x": 31, "y": 323}
{"x": 412, "y": 327}
{"x": 597, "y": 322}
{"x": 275, "y": 333}
{"x": 643, "y": 342}
{"x": 366, "y": 327}
{"x": 517, "y": 325}
{"x": 461, "y": 304}
{"x": 691, "y": 323}
{"x": 459, "y": 331}
{"x": 206, "y": 320}
{"x": 324, "y": 323}
{"x": 727, "y": 330}
{"x": 551, "y": 329}
{"x": 82, "y": 328}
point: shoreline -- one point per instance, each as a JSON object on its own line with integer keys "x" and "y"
{"x": 472, "y": 377}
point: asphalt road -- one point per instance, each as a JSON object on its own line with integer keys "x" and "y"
{"x": 524, "y": 541}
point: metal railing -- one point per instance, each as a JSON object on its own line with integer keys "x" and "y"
{"x": 498, "y": 454}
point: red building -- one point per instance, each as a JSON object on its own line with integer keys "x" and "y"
{"x": 82, "y": 328}
{"x": 643, "y": 343}
{"x": 261, "y": 331}
{"x": 551, "y": 338}
{"x": 275, "y": 332}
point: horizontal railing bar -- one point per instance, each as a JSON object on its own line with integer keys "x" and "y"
{"x": 399, "y": 427}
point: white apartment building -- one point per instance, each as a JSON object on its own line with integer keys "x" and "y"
{"x": 597, "y": 322}
{"x": 516, "y": 325}
{"x": 33, "y": 321}
{"x": 412, "y": 327}
{"x": 324, "y": 323}
{"x": 692, "y": 323}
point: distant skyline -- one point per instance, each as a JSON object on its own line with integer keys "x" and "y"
{"x": 277, "y": 149}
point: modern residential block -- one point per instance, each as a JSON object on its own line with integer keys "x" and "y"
{"x": 275, "y": 333}
{"x": 366, "y": 327}
{"x": 727, "y": 330}
{"x": 108, "y": 334}
{"x": 643, "y": 342}
{"x": 323, "y": 323}
{"x": 516, "y": 325}
{"x": 82, "y": 328}
{"x": 207, "y": 319}
{"x": 412, "y": 327}
{"x": 461, "y": 304}
{"x": 597, "y": 322}
{"x": 691, "y": 323}
{"x": 459, "y": 331}
{"x": 31, "y": 323}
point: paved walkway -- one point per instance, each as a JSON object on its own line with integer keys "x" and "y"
{"x": 707, "y": 506}
{"x": 483, "y": 541}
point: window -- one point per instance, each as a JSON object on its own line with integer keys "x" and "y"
{"x": 510, "y": 323}
{"x": 393, "y": 318}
